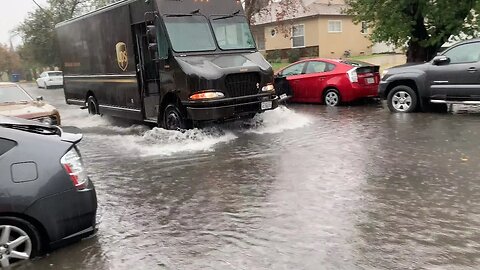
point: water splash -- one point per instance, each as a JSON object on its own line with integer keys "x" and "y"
{"x": 276, "y": 121}
{"x": 161, "y": 142}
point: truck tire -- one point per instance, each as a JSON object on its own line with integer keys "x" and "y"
{"x": 402, "y": 99}
{"x": 174, "y": 119}
{"x": 92, "y": 105}
{"x": 24, "y": 241}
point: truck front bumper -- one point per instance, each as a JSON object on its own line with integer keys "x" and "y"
{"x": 230, "y": 108}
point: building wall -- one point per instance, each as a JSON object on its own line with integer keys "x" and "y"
{"x": 331, "y": 45}
{"x": 279, "y": 41}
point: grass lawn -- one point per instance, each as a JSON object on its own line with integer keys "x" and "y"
{"x": 278, "y": 66}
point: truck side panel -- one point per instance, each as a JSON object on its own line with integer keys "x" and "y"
{"x": 98, "y": 58}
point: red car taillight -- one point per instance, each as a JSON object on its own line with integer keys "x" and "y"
{"x": 73, "y": 165}
{"x": 352, "y": 75}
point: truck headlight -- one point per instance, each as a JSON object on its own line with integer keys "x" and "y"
{"x": 268, "y": 88}
{"x": 207, "y": 95}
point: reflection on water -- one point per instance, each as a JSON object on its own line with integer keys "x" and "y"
{"x": 305, "y": 187}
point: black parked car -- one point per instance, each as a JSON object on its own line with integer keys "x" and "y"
{"x": 453, "y": 77}
{"x": 46, "y": 198}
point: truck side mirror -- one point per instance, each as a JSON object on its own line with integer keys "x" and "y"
{"x": 440, "y": 60}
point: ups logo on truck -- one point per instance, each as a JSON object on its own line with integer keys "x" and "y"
{"x": 122, "y": 57}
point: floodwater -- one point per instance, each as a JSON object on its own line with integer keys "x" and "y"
{"x": 303, "y": 187}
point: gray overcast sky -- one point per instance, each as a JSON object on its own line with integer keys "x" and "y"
{"x": 12, "y": 13}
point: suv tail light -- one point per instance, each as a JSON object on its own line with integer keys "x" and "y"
{"x": 73, "y": 165}
{"x": 352, "y": 75}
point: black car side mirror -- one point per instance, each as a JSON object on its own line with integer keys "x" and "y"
{"x": 441, "y": 60}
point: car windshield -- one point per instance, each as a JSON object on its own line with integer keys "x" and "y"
{"x": 232, "y": 32}
{"x": 189, "y": 33}
{"x": 56, "y": 73}
{"x": 13, "y": 93}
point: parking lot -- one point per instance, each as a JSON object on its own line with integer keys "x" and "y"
{"x": 303, "y": 187}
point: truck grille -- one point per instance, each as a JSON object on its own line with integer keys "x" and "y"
{"x": 242, "y": 84}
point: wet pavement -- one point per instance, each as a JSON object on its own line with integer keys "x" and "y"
{"x": 303, "y": 187}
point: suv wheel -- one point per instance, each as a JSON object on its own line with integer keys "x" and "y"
{"x": 402, "y": 99}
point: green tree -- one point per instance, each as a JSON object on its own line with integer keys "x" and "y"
{"x": 423, "y": 26}
{"x": 9, "y": 61}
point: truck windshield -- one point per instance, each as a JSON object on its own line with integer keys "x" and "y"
{"x": 189, "y": 33}
{"x": 232, "y": 32}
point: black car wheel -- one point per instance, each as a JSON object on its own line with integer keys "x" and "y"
{"x": 92, "y": 105}
{"x": 402, "y": 99}
{"x": 19, "y": 240}
{"x": 332, "y": 98}
{"x": 173, "y": 119}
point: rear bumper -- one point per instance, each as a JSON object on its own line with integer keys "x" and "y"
{"x": 362, "y": 91}
{"x": 72, "y": 219}
{"x": 229, "y": 109}
{"x": 54, "y": 83}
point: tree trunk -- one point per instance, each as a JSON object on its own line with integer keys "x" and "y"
{"x": 419, "y": 54}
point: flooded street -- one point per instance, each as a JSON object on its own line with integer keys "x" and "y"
{"x": 303, "y": 187}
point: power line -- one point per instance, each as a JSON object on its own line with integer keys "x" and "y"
{"x": 40, "y": 7}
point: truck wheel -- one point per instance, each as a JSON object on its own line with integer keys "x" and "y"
{"x": 92, "y": 105}
{"x": 19, "y": 240}
{"x": 174, "y": 119}
{"x": 402, "y": 99}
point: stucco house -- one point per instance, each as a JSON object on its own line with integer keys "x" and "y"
{"x": 316, "y": 28}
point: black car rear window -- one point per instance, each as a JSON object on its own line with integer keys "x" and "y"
{"x": 6, "y": 145}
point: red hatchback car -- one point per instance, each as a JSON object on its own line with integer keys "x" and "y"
{"x": 331, "y": 81}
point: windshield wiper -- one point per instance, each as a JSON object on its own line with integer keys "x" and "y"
{"x": 179, "y": 15}
{"x": 228, "y": 16}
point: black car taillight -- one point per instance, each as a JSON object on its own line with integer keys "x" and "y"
{"x": 73, "y": 165}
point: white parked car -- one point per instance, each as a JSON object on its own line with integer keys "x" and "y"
{"x": 50, "y": 78}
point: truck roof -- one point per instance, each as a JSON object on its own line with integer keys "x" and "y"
{"x": 91, "y": 13}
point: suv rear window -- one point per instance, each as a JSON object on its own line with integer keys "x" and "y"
{"x": 6, "y": 145}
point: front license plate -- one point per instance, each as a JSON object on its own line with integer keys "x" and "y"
{"x": 283, "y": 96}
{"x": 370, "y": 80}
{"x": 266, "y": 105}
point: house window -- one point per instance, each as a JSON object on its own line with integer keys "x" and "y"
{"x": 335, "y": 26}
{"x": 273, "y": 32}
{"x": 298, "y": 36}
{"x": 364, "y": 28}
